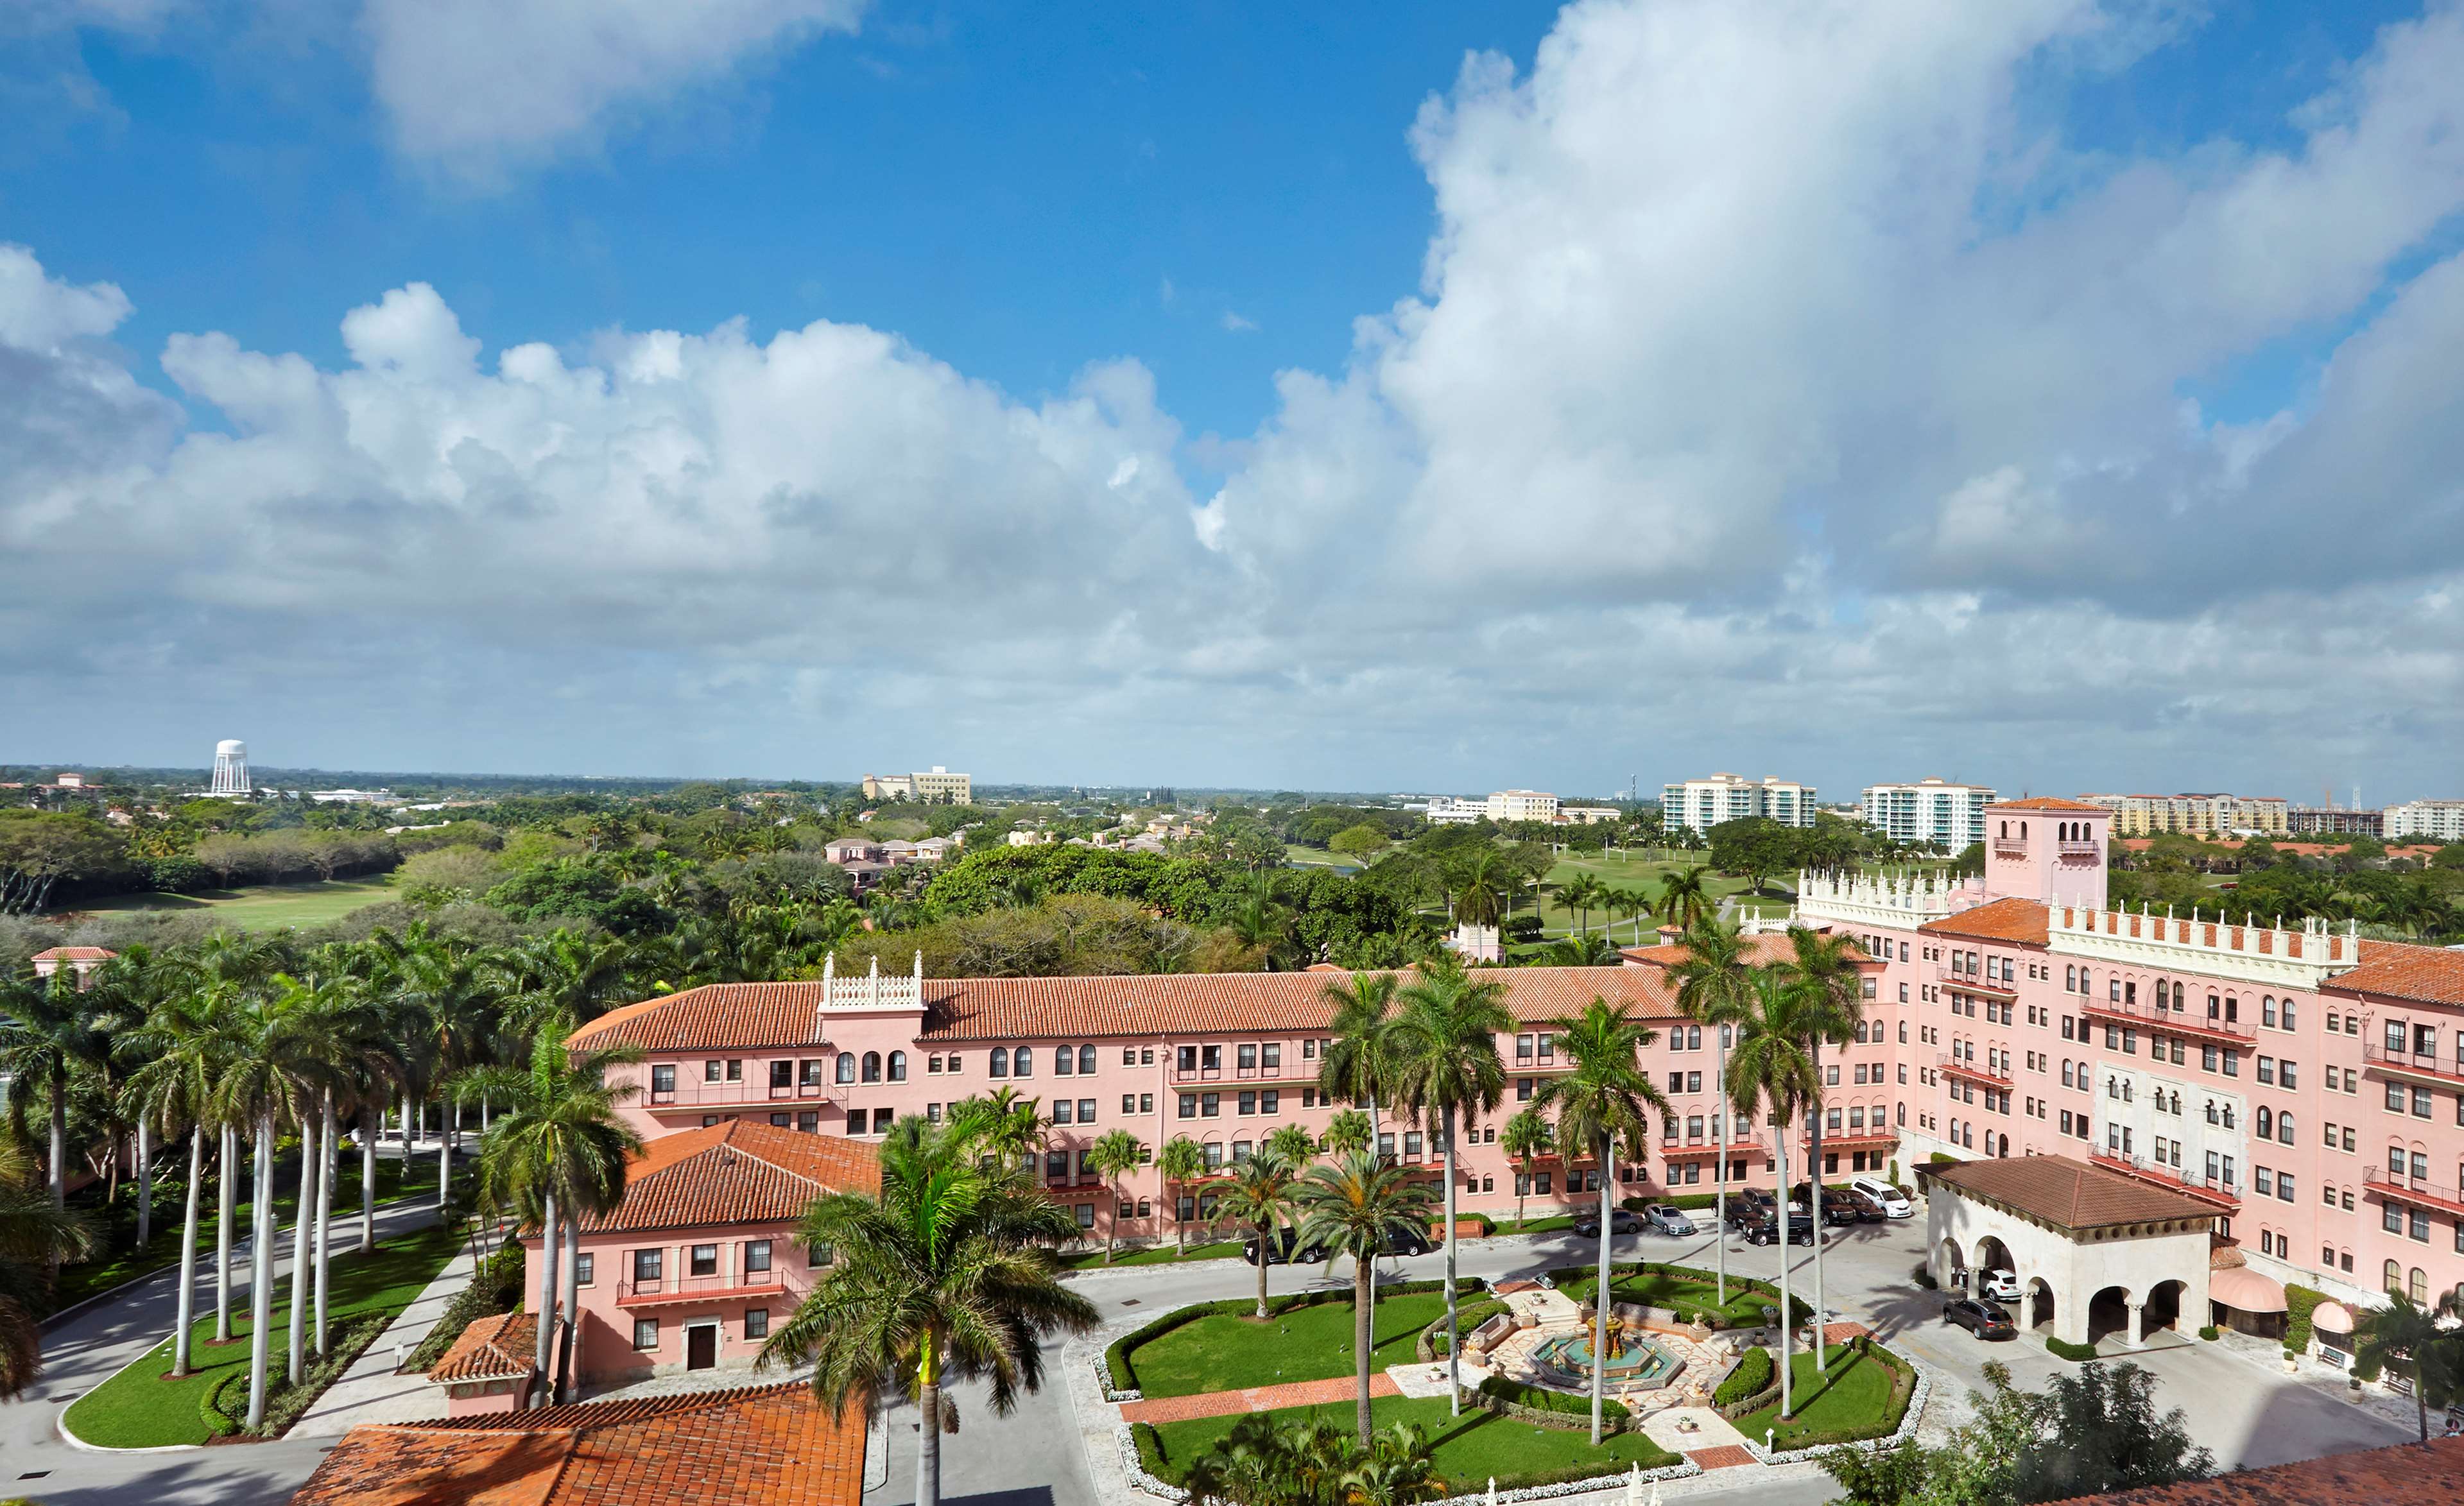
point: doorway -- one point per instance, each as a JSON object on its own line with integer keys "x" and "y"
{"x": 701, "y": 1346}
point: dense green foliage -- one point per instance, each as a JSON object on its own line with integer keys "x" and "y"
{"x": 1754, "y": 1374}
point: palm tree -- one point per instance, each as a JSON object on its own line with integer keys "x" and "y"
{"x": 1109, "y": 1157}
{"x": 556, "y": 1156}
{"x": 2404, "y": 1330}
{"x": 1825, "y": 968}
{"x": 1258, "y": 1193}
{"x": 1527, "y": 1137}
{"x": 185, "y": 1049}
{"x": 1600, "y": 1102}
{"x": 222, "y": 970}
{"x": 1477, "y": 896}
{"x": 1353, "y": 1208}
{"x": 35, "y": 1237}
{"x": 1181, "y": 1162}
{"x": 1002, "y": 1125}
{"x": 1347, "y": 1132}
{"x": 947, "y": 1273}
{"x": 49, "y": 1037}
{"x": 1683, "y": 901}
{"x": 1314, "y": 1463}
{"x": 1352, "y": 1064}
{"x": 1442, "y": 1057}
{"x": 1296, "y": 1145}
{"x": 1715, "y": 987}
{"x": 1769, "y": 1069}
{"x": 1581, "y": 894}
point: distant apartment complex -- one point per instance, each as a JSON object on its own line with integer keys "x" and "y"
{"x": 1522, "y": 805}
{"x": 1515, "y": 805}
{"x": 2196, "y": 815}
{"x": 2426, "y": 820}
{"x": 1948, "y": 816}
{"x": 1704, "y": 803}
{"x": 2334, "y": 820}
{"x": 938, "y": 787}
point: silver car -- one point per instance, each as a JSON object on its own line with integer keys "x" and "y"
{"x": 1661, "y": 1219}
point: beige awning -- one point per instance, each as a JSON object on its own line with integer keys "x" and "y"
{"x": 2332, "y": 1318}
{"x": 2245, "y": 1290}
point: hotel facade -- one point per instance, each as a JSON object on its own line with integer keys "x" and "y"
{"x": 2304, "y": 1086}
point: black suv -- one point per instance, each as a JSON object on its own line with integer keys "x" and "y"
{"x": 1408, "y": 1241}
{"x": 1285, "y": 1250}
{"x": 1765, "y": 1229}
{"x": 1983, "y": 1319}
{"x": 1749, "y": 1206}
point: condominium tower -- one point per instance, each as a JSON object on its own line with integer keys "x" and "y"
{"x": 1950, "y": 816}
{"x": 1704, "y": 803}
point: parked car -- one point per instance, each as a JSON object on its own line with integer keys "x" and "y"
{"x": 1893, "y": 1202}
{"x": 1621, "y": 1221}
{"x": 1765, "y": 1231}
{"x": 1662, "y": 1219}
{"x": 1285, "y": 1249}
{"x": 1838, "y": 1208}
{"x": 1749, "y": 1206}
{"x": 1983, "y": 1319}
{"x": 1866, "y": 1209}
{"x": 2003, "y": 1286}
{"x": 1408, "y": 1241}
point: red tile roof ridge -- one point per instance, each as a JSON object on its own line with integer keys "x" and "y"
{"x": 2050, "y": 803}
{"x": 493, "y": 1348}
{"x": 2406, "y": 1474}
{"x": 74, "y": 954}
{"x": 2404, "y": 971}
{"x": 2019, "y": 921}
{"x": 581, "y": 1416}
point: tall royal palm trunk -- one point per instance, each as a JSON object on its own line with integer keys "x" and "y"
{"x": 1720, "y": 1196}
{"x": 1786, "y": 1323}
{"x": 324, "y": 1211}
{"x": 369, "y": 1180}
{"x": 1814, "y": 1179}
{"x": 1364, "y": 1317}
{"x": 60, "y": 1166}
{"x": 144, "y": 1181}
{"x": 928, "y": 1436}
{"x": 543, "y": 1356}
{"x": 1601, "y": 1294}
{"x": 188, "y": 1302}
{"x": 444, "y": 1156}
{"x": 260, "y": 1271}
{"x": 1454, "y": 1325}
{"x": 565, "y": 1380}
{"x": 227, "y": 1205}
{"x": 303, "y": 1220}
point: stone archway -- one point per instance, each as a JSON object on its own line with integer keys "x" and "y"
{"x": 2164, "y": 1308}
{"x": 2040, "y": 1305}
{"x": 1993, "y": 1255}
{"x": 1951, "y": 1266}
{"x": 2108, "y": 1312}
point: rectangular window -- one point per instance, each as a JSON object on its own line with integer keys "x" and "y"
{"x": 1246, "y": 1057}
{"x": 1188, "y": 1105}
{"x": 586, "y": 1269}
{"x": 645, "y": 1333}
{"x": 1062, "y": 1111}
{"x": 757, "y": 1254}
{"x": 663, "y": 1079}
{"x": 1270, "y": 1101}
{"x": 810, "y": 1122}
{"x": 1270, "y": 1055}
{"x": 1086, "y": 1111}
{"x": 1249, "y": 1104}
{"x": 1210, "y": 1106}
{"x": 705, "y": 1261}
{"x": 756, "y": 1323}
{"x": 1128, "y": 1103}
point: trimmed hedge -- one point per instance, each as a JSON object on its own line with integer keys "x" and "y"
{"x": 1116, "y": 1356}
{"x": 1471, "y": 1314}
{"x": 2300, "y": 1302}
{"x": 210, "y": 1410}
{"x": 1940, "y": 1158}
{"x": 2209, "y": 1332}
{"x": 1705, "y": 1313}
{"x": 1150, "y": 1445}
{"x": 1552, "y": 1404}
{"x": 495, "y": 1287}
{"x": 2070, "y": 1351}
{"x": 1752, "y": 1376}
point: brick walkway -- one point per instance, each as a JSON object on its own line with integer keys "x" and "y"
{"x": 1257, "y": 1399}
{"x": 1726, "y": 1457}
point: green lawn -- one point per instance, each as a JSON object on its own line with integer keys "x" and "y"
{"x": 1230, "y": 1352}
{"x": 1852, "y": 1399}
{"x": 1536, "y": 1226}
{"x": 1469, "y": 1448}
{"x": 1657, "y": 1289}
{"x": 139, "y": 1409}
{"x": 1630, "y": 870}
{"x": 118, "y": 1225}
{"x": 271, "y": 906}
{"x": 1153, "y": 1254}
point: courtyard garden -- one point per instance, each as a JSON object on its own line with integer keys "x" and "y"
{"x": 140, "y": 1407}
{"x": 1863, "y": 1395}
{"x": 1683, "y": 1290}
{"x": 1469, "y": 1450}
{"x": 1224, "y": 1348}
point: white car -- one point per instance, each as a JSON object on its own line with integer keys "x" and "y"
{"x": 1893, "y": 1202}
{"x": 2003, "y": 1286}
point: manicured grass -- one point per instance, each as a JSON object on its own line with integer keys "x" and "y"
{"x": 1853, "y": 1398}
{"x": 138, "y": 1408}
{"x": 1656, "y": 1289}
{"x": 1153, "y": 1255}
{"x": 1536, "y": 1226}
{"x": 1228, "y": 1352}
{"x": 1468, "y": 1449}
{"x": 79, "y": 1282}
{"x": 271, "y": 906}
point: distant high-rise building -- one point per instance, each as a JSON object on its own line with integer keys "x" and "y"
{"x": 1706, "y": 803}
{"x": 230, "y": 769}
{"x": 2436, "y": 821}
{"x": 2337, "y": 821}
{"x": 1934, "y": 811}
{"x": 2205, "y": 814}
{"x": 938, "y": 786}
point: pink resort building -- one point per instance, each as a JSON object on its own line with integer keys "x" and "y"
{"x": 2300, "y": 1092}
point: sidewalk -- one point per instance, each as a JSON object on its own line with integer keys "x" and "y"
{"x": 1257, "y": 1399}
{"x": 370, "y": 1391}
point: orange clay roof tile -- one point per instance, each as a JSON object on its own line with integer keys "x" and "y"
{"x": 740, "y": 1171}
{"x": 2404, "y": 1474}
{"x": 2021, "y": 921}
{"x": 2397, "y": 970}
{"x": 501, "y": 1347}
{"x": 2051, "y": 802}
{"x": 772, "y": 1445}
{"x": 2071, "y": 1193}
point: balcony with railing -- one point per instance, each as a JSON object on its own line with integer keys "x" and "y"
{"x": 2419, "y": 1191}
{"x": 1983, "y": 1071}
{"x": 1870, "y": 1138}
{"x": 2076, "y": 847}
{"x": 1976, "y": 983}
{"x": 2210, "y": 1027}
{"x": 2426, "y": 1066}
{"x": 699, "y": 1093}
{"x": 2010, "y": 846}
{"x": 655, "y": 1291}
{"x": 2225, "y": 1194}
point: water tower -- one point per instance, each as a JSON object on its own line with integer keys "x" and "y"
{"x": 230, "y": 768}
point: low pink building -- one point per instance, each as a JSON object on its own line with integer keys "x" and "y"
{"x": 491, "y": 1365}
{"x": 701, "y": 1259}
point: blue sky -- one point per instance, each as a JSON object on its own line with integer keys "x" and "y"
{"x": 1445, "y": 396}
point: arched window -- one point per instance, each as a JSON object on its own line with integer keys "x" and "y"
{"x": 847, "y": 1066}
{"x": 1022, "y": 1062}
{"x": 2394, "y": 1276}
{"x": 2266, "y": 1122}
{"x": 2419, "y": 1288}
{"x": 1086, "y": 1059}
{"x": 2005, "y": 831}
{"x": 1000, "y": 1067}
{"x": 2285, "y": 1129}
{"x": 898, "y": 1067}
{"x": 1903, "y": 1116}
{"x": 2023, "y": 831}
{"x": 2177, "y": 997}
{"x": 1065, "y": 1059}
{"x": 872, "y": 1066}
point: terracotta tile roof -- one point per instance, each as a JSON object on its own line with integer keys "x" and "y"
{"x": 741, "y": 1172}
{"x": 2049, "y": 802}
{"x": 1767, "y": 947}
{"x": 74, "y": 954}
{"x": 2071, "y": 1193}
{"x": 497, "y": 1348}
{"x": 753, "y": 1015}
{"x": 2395, "y": 970}
{"x": 2022, "y": 922}
{"x": 2405, "y": 1474}
{"x": 772, "y": 1445}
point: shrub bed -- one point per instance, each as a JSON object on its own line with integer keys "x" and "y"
{"x": 1754, "y": 1374}
{"x": 1469, "y": 1316}
{"x": 495, "y": 1287}
{"x": 1687, "y": 1309}
{"x": 1549, "y": 1409}
{"x": 2209, "y": 1332}
{"x": 2070, "y": 1351}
